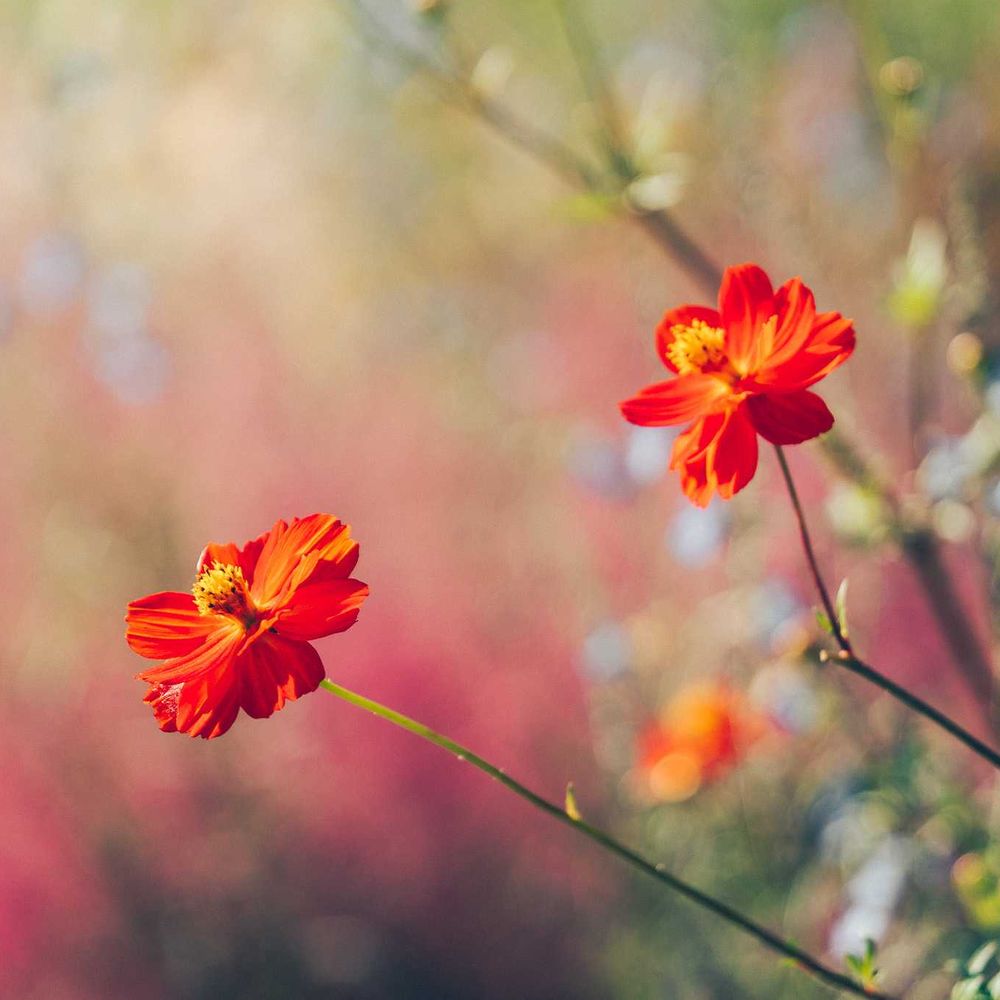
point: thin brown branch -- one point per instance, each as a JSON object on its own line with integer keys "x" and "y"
{"x": 847, "y": 657}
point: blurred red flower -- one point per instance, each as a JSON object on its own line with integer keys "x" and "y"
{"x": 240, "y": 639}
{"x": 741, "y": 371}
{"x": 703, "y": 732}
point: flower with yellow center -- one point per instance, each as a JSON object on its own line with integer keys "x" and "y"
{"x": 741, "y": 370}
{"x": 241, "y": 639}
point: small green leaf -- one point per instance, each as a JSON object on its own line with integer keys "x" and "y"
{"x": 572, "y": 809}
{"x": 863, "y": 966}
{"x": 823, "y": 620}
{"x": 592, "y": 206}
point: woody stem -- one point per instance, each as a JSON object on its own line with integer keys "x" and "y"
{"x": 847, "y": 658}
{"x": 766, "y": 937}
{"x": 824, "y": 594}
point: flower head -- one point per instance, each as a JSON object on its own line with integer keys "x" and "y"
{"x": 742, "y": 370}
{"x": 701, "y": 734}
{"x": 240, "y": 638}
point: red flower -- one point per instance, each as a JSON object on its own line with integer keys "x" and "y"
{"x": 742, "y": 371}
{"x": 240, "y": 639}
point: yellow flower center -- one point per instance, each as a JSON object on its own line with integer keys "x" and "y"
{"x": 697, "y": 347}
{"x": 222, "y": 590}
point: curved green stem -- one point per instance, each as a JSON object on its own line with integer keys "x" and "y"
{"x": 847, "y": 657}
{"x": 766, "y": 937}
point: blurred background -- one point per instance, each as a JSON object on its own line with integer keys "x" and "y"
{"x": 263, "y": 259}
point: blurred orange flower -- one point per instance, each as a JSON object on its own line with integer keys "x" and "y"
{"x": 703, "y": 732}
{"x": 741, "y": 371}
{"x": 240, "y": 639}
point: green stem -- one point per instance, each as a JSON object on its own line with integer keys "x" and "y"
{"x": 768, "y": 938}
{"x": 847, "y": 657}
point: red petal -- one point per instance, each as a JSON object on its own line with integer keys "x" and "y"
{"x": 167, "y": 625}
{"x": 292, "y": 552}
{"x": 746, "y": 303}
{"x": 208, "y": 706}
{"x": 790, "y": 418}
{"x": 795, "y": 307}
{"x": 276, "y": 670}
{"x": 690, "y": 458}
{"x": 681, "y": 316}
{"x": 219, "y": 647}
{"x": 717, "y": 453}
{"x": 675, "y": 401}
{"x": 732, "y": 459}
{"x": 321, "y": 608}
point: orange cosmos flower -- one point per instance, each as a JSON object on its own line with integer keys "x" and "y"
{"x": 240, "y": 639}
{"x": 741, "y": 371}
{"x": 702, "y": 733}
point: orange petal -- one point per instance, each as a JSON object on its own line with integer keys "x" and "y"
{"x": 681, "y": 316}
{"x": 230, "y": 555}
{"x": 167, "y": 625}
{"x": 277, "y": 670}
{"x": 675, "y": 401}
{"x": 807, "y": 357}
{"x": 790, "y": 418}
{"x": 292, "y": 552}
{"x": 208, "y": 706}
{"x": 746, "y": 303}
{"x": 320, "y": 608}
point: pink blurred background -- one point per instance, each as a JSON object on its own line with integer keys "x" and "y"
{"x": 250, "y": 269}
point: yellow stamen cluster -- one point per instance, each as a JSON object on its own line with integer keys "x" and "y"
{"x": 222, "y": 590}
{"x": 697, "y": 347}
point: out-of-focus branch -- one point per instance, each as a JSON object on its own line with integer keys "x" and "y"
{"x": 599, "y": 90}
{"x": 849, "y": 659}
{"x": 459, "y": 92}
{"x": 664, "y": 230}
{"x": 922, "y": 549}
